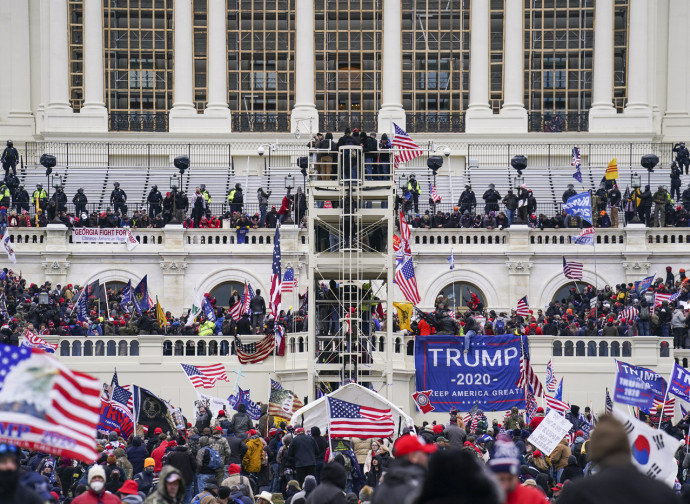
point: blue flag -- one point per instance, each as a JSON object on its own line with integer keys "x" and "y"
{"x": 578, "y": 174}
{"x": 580, "y": 205}
{"x": 141, "y": 295}
{"x": 126, "y": 294}
{"x": 680, "y": 382}
{"x": 451, "y": 260}
{"x": 559, "y": 391}
{"x": 242, "y": 397}
{"x": 207, "y": 308}
{"x": 82, "y": 308}
{"x": 584, "y": 240}
{"x": 643, "y": 285}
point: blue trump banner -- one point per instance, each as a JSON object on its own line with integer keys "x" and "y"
{"x": 579, "y": 205}
{"x": 486, "y": 376}
{"x": 115, "y": 416}
{"x": 680, "y": 383}
{"x": 656, "y": 383}
{"x": 242, "y": 397}
{"x": 630, "y": 389}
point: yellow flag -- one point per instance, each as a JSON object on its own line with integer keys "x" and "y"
{"x": 612, "y": 170}
{"x": 160, "y": 316}
{"x": 405, "y": 311}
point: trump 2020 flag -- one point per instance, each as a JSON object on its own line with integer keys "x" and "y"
{"x": 33, "y": 340}
{"x": 579, "y": 205}
{"x": 7, "y": 245}
{"x": 652, "y": 450}
{"x": 44, "y": 406}
{"x": 680, "y": 383}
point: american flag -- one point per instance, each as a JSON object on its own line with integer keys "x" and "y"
{"x": 530, "y": 405}
{"x": 114, "y": 383}
{"x": 575, "y": 163}
{"x": 609, "y": 403}
{"x": 551, "y": 380}
{"x": 629, "y": 313}
{"x": 352, "y": 420}
{"x": 528, "y": 376}
{"x": 121, "y": 395}
{"x": 434, "y": 195}
{"x": 275, "y": 297}
{"x": 572, "y": 269}
{"x": 557, "y": 405}
{"x": 46, "y": 399}
{"x": 33, "y": 340}
{"x": 289, "y": 281}
{"x": 251, "y": 353}
{"x": 242, "y": 306}
{"x": 660, "y": 297}
{"x": 205, "y": 376}
{"x": 669, "y": 406}
{"x": 275, "y": 385}
{"x": 407, "y": 149}
{"x": 523, "y": 307}
{"x": 407, "y": 281}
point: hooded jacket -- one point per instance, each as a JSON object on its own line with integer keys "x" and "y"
{"x": 331, "y": 490}
{"x": 402, "y": 480}
{"x": 251, "y": 462}
{"x": 161, "y": 495}
{"x": 559, "y": 455}
{"x": 136, "y": 454}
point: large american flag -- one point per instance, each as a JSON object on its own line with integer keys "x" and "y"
{"x": 352, "y": 420}
{"x": 609, "y": 403}
{"x": 434, "y": 195}
{"x": 33, "y": 340}
{"x": 551, "y": 380}
{"x": 404, "y": 268}
{"x": 121, "y": 395}
{"x": 572, "y": 269}
{"x": 523, "y": 307}
{"x": 205, "y": 376}
{"x": 528, "y": 376}
{"x": 115, "y": 385}
{"x": 289, "y": 281}
{"x": 275, "y": 297}
{"x": 242, "y": 306}
{"x": 660, "y": 297}
{"x": 557, "y": 405}
{"x": 629, "y": 313}
{"x": 407, "y": 149}
{"x": 45, "y": 399}
{"x": 251, "y": 353}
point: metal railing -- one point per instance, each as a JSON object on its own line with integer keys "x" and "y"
{"x": 338, "y": 122}
{"x": 558, "y": 122}
{"x": 441, "y": 122}
{"x": 278, "y": 122}
{"x": 138, "y": 121}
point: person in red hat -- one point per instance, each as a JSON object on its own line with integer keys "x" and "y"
{"x": 538, "y": 418}
{"x": 406, "y": 473}
{"x": 505, "y": 464}
{"x": 129, "y": 493}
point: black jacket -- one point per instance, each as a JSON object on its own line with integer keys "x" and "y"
{"x": 181, "y": 458}
{"x": 402, "y": 480}
{"x": 137, "y": 454}
{"x": 331, "y": 490}
{"x": 241, "y": 423}
{"x": 302, "y": 451}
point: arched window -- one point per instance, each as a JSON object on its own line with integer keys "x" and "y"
{"x": 603, "y": 349}
{"x": 114, "y": 287}
{"x": 167, "y": 348}
{"x": 190, "y": 348}
{"x": 382, "y": 344}
{"x": 564, "y": 291}
{"x": 615, "y": 349}
{"x": 223, "y": 291}
{"x": 592, "y": 349}
{"x": 396, "y": 348}
{"x": 580, "y": 349}
{"x": 100, "y": 348}
{"x": 134, "y": 348}
{"x": 233, "y": 349}
{"x": 88, "y": 348}
{"x": 224, "y": 347}
{"x": 627, "y": 349}
{"x": 410, "y": 347}
{"x": 122, "y": 348}
{"x": 300, "y": 344}
{"x": 213, "y": 347}
{"x": 64, "y": 349}
{"x": 557, "y": 349}
{"x": 460, "y": 293}
{"x": 179, "y": 348}
{"x": 111, "y": 348}
{"x": 201, "y": 348}
{"x": 292, "y": 345}
{"x": 569, "y": 349}
{"x": 76, "y": 349}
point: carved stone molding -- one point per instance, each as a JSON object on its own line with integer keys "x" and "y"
{"x": 55, "y": 267}
{"x": 173, "y": 267}
{"x": 636, "y": 267}
{"x": 519, "y": 267}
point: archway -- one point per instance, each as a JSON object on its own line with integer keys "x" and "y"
{"x": 564, "y": 290}
{"x": 223, "y": 291}
{"x": 459, "y": 294}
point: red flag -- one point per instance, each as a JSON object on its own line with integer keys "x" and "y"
{"x": 423, "y": 402}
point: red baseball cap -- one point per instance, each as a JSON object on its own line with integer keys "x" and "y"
{"x": 158, "y": 430}
{"x": 410, "y": 444}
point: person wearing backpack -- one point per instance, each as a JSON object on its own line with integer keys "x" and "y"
{"x": 208, "y": 463}
{"x": 211, "y": 490}
{"x": 235, "y": 479}
{"x": 643, "y": 318}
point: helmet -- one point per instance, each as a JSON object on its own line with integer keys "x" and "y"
{"x": 492, "y": 186}
{"x": 202, "y": 187}
{"x": 21, "y": 187}
{"x": 154, "y": 187}
{"x": 238, "y": 185}
{"x": 412, "y": 176}
{"x": 10, "y": 143}
{"x": 80, "y": 190}
{"x": 571, "y": 186}
{"x": 39, "y": 186}
{"x": 116, "y": 184}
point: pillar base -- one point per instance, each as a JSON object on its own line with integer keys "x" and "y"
{"x": 187, "y": 120}
{"x": 64, "y": 119}
{"x": 675, "y": 125}
{"x": 20, "y": 126}
{"x": 633, "y": 120}
{"x": 304, "y": 120}
{"x": 481, "y": 119}
{"x": 390, "y": 115}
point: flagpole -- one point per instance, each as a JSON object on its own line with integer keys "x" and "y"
{"x": 77, "y": 303}
{"x": 105, "y": 290}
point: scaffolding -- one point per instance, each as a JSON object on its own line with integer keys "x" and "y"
{"x": 350, "y": 221}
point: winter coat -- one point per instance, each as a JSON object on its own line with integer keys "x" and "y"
{"x": 559, "y": 455}
{"x": 22, "y": 495}
{"x": 161, "y": 495}
{"x": 124, "y": 464}
{"x": 572, "y": 471}
{"x": 456, "y": 436}
{"x": 302, "y": 451}
{"x": 361, "y": 448}
{"x": 220, "y": 444}
{"x": 241, "y": 423}
{"x": 88, "y": 497}
{"x": 145, "y": 481}
{"x": 251, "y": 462}
{"x": 401, "y": 483}
{"x": 331, "y": 490}
{"x": 182, "y": 458}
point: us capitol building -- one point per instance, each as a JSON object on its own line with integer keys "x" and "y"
{"x": 116, "y": 89}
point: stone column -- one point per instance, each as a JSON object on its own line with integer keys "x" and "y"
{"x": 479, "y": 108}
{"x": 677, "y": 118}
{"x": 58, "y": 90}
{"x": 391, "y": 68}
{"x": 304, "y": 117}
{"x": 602, "y": 88}
{"x": 513, "y": 65}
{"x": 94, "y": 104}
{"x": 638, "y": 70}
{"x": 183, "y": 92}
{"x": 217, "y": 99}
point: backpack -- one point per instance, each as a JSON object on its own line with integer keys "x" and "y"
{"x": 200, "y": 497}
{"x": 500, "y": 326}
{"x": 214, "y": 461}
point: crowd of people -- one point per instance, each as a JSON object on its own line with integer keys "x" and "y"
{"x": 233, "y": 460}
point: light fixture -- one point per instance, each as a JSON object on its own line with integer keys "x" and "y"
{"x": 289, "y": 182}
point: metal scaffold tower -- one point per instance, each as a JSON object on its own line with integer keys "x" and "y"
{"x": 351, "y": 198}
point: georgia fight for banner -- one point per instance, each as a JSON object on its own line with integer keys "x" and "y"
{"x": 486, "y": 376}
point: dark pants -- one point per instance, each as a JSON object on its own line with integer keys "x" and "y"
{"x": 79, "y": 208}
{"x": 119, "y": 207}
{"x": 8, "y": 166}
{"x": 153, "y": 211}
{"x": 679, "y": 337}
{"x": 684, "y": 164}
{"x": 303, "y": 472}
